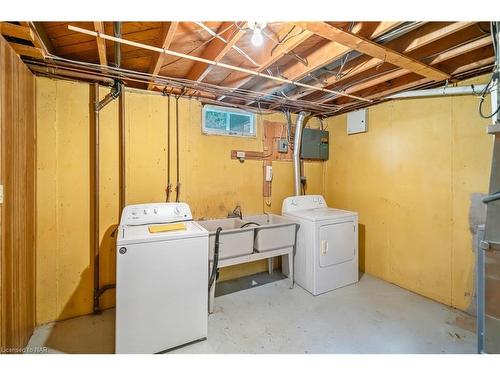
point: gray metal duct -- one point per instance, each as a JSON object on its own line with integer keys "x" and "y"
{"x": 117, "y": 31}
{"x": 297, "y": 173}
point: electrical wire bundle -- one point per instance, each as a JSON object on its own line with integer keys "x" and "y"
{"x": 495, "y": 77}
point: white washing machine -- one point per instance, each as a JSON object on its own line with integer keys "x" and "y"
{"x": 326, "y": 255}
{"x": 161, "y": 279}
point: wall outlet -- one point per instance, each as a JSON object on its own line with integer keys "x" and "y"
{"x": 240, "y": 155}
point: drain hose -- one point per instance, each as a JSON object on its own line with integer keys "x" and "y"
{"x": 216, "y": 259}
{"x": 250, "y": 223}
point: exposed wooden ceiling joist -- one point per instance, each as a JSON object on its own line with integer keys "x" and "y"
{"x": 217, "y": 49}
{"x": 24, "y": 50}
{"x": 324, "y": 55}
{"x": 434, "y": 49}
{"x": 195, "y": 58}
{"x": 272, "y": 54}
{"x": 101, "y": 43}
{"x": 479, "y": 58}
{"x": 16, "y": 31}
{"x": 169, "y": 29}
{"x": 445, "y": 56}
{"x": 405, "y": 44}
{"x": 41, "y": 39}
{"x": 370, "y": 48}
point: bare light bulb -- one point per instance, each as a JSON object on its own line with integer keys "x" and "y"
{"x": 257, "y": 38}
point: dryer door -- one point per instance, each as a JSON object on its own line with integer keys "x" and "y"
{"x": 336, "y": 243}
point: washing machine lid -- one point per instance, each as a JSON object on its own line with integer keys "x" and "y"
{"x": 132, "y": 234}
{"x": 322, "y": 213}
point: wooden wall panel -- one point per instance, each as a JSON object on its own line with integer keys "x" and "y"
{"x": 17, "y": 212}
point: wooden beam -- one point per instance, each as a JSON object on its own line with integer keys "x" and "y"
{"x": 373, "y": 49}
{"x": 24, "y": 50}
{"x": 425, "y": 35}
{"x": 16, "y": 31}
{"x": 217, "y": 49}
{"x": 42, "y": 41}
{"x": 101, "y": 43}
{"x": 445, "y": 56}
{"x": 482, "y": 57}
{"x": 169, "y": 29}
{"x": 24, "y": 32}
{"x": 270, "y": 55}
{"x": 325, "y": 55}
{"x": 195, "y": 58}
{"x": 478, "y": 43}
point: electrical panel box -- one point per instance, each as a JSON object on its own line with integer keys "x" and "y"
{"x": 357, "y": 121}
{"x": 314, "y": 144}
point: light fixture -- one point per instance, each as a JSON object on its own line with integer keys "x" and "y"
{"x": 257, "y": 28}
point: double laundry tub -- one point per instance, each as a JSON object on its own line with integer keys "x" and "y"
{"x": 259, "y": 233}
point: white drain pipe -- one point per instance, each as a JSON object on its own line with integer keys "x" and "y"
{"x": 442, "y": 91}
{"x": 296, "y": 151}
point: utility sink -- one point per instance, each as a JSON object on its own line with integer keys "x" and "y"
{"x": 272, "y": 231}
{"x": 234, "y": 240}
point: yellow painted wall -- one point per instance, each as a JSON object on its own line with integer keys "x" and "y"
{"x": 411, "y": 177}
{"x": 212, "y": 183}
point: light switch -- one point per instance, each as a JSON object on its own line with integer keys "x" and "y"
{"x": 1, "y": 194}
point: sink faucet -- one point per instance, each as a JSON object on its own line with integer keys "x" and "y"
{"x": 236, "y": 212}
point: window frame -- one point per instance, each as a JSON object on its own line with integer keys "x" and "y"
{"x": 227, "y": 132}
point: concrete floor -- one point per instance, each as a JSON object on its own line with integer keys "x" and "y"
{"x": 372, "y": 316}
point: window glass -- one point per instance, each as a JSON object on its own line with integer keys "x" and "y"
{"x": 228, "y": 121}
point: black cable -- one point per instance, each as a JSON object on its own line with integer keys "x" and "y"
{"x": 216, "y": 259}
{"x": 483, "y": 94}
{"x": 250, "y": 223}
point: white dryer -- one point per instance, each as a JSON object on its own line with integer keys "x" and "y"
{"x": 326, "y": 255}
{"x": 161, "y": 278}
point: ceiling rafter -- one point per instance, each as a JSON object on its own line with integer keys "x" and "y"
{"x": 405, "y": 44}
{"x": 445, "y": 56}
{"x": 101, "y": 43}
{"x": 272, "y": 54}
{"x": 217, "y": 49}
{"x": 168, "y": 33}
{"x": 366, "y": 46}
{"x": 410, "y": 79}
{"x": 325, "y": 55}
{"x": 23, "y": 31}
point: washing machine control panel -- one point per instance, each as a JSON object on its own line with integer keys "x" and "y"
{"x": 155, "y": 213}
{"x": 303, "y": 202}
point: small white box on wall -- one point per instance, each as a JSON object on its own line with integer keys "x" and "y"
{"x": 357, "y": 121}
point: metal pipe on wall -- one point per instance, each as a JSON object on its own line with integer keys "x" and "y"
{"x": 94, "y": 190}
{"x": 443, "y": 91}
{"x": 296, "y": 151}
{"x": 117, "y": 32}
{"x": 68, "y": 73}
{"x": 97, "y": 105}
{"x": 121, "y": 152}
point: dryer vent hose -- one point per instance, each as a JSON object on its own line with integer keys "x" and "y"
{"x": 215, "y": 264}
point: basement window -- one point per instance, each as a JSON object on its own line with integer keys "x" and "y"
{"x": 228, "y": 121}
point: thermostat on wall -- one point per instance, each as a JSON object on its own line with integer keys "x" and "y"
{"x": 357, "y": 121}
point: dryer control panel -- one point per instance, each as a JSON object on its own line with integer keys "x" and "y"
{"x": 155, "y": 213}
{"x": 303, "y": 202}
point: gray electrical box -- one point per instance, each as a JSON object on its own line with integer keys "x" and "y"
{"x": 283, "y": 145}
{"x": 314, "y": 144}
